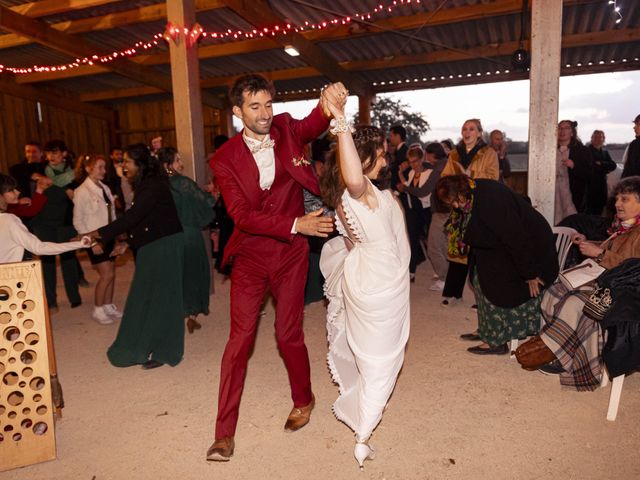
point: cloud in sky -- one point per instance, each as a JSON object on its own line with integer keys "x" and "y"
{"x": 599, "y": 101}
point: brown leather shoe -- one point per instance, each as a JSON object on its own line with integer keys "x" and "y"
{"x": 221, "y": 450}
{"x": 534, "y": 353}
{"x": 299, "y": 416}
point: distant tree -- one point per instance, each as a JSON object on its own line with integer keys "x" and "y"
{"x": 387, "y": 112}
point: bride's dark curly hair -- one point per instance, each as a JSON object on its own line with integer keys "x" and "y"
{"x": 368, "y": 141}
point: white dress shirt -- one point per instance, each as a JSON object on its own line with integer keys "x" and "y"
{"x": 265, "y": 160}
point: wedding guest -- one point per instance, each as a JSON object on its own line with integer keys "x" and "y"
{"x": 54, "y": 223}
{"x": 30, "y": 169}
{"x": 195, "y": 210}
{"x": 574, "y": 168}
{"x": 570, "y": 343}
{"x": 113, "y": 177}
{"x": 151, "y": 332}
{"x": 474, "y": 158}
{"x": 418, "y": 213}
{"x": 94, "y": 208}
{"x": 436, "y": 237}
{"x": 512, "y": 257}
{"x": 498, "y": 143}
{"x": 15, "y": 239}
{"x": 602, "y": 165}
{"x": 631, "y": 158}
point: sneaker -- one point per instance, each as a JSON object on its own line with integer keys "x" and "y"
{"x": 437, "y": 286}
{"x": 450, "y": 301}
{"x": 112, "y": 310}
{"x": 101, "y": 316}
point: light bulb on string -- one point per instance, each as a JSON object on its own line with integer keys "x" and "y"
{"x": 173, "y": 33}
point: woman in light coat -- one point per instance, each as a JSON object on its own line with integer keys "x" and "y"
{"x": 94, "y": 208}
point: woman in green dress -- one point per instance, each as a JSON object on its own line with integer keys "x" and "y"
{"x": 195, "y": 209}
{"x": 152, "y": 329}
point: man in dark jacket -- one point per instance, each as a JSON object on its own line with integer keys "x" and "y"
{"x": 601, "y": 165}
{"x": 632, "y": 164}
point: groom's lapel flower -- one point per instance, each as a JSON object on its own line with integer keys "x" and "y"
{"x": 300, "y": 162}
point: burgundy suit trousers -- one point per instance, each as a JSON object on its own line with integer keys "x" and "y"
{"x": 263, "y": 263}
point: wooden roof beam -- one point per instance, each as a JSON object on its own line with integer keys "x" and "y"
{"x": 149, "y": 13}
{"x": 77, "y": 47}
{"x": 259, "y": 13}
{"x": 45, "y": 8}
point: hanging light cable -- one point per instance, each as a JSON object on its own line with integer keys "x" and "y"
{"x": 616, "y": 10}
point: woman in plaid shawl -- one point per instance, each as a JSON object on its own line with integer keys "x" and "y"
{"x": 569, "y": 336}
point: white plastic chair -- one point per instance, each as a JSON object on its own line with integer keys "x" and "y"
{"x": 563, "y": 244}
{"x": 614, "y": 397}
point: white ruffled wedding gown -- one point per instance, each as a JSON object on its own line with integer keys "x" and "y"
{"x": 368, "y": 311}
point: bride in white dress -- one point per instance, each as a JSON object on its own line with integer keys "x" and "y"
{"x": 367, "y": 281}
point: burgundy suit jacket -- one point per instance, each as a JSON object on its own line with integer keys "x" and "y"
{"x": 268, "y": 213}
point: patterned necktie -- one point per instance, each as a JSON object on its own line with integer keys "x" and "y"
{"x": 262, "y": 145}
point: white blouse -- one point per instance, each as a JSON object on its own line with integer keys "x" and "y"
{"x": 15, "y": 239}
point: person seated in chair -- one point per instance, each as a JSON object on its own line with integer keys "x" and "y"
{"x": 570, "y": 343}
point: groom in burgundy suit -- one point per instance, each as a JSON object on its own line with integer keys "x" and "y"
{"x": 262, "y": 173}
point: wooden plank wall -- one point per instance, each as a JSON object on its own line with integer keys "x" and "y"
{"x": 142, "y": 121}
{"x": 137, "y": 122}
{"x": 19, "y": 123}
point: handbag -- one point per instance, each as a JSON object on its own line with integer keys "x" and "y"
{"x": 581, "y": 274}
{"x": 597, "y": 303}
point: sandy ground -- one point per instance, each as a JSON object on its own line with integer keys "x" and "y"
{"x": 453, "y": 415}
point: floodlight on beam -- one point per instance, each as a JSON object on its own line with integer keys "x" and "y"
{"x": 291, "y": 50}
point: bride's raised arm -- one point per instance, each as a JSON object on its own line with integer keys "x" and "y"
{"x": 350, "y": 165}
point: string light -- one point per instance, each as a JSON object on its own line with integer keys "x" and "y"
{"x": 175, "y": 33}
{"x": 616, "y": 10}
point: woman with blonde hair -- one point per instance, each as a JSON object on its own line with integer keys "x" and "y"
{"x": 474, "y": 158}
{"x": 94, "y": 208}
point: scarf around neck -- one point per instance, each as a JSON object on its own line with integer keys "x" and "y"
{"x": 456, "y": 226}
{"x": 466, "y": 157}
{"x": 618, "y": 227}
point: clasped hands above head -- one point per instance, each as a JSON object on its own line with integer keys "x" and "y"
{"x": 333, "y": 98}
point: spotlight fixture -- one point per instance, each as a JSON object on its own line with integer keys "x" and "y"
{"x": 520, "y": 60}
{"x": 291, "y": 50}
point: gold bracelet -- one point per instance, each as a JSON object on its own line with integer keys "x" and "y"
{"x": 340, "y": 125}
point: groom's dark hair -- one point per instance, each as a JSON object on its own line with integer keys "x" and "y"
{"x": 251, "y": 84}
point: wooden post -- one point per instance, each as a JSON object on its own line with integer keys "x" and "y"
{"x": 546, "y": 40}
{"x": 364, "y": 108}
{"x": 187, "y": 99}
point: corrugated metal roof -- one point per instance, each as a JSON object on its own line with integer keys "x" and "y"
{"x": 488, "y": 31}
